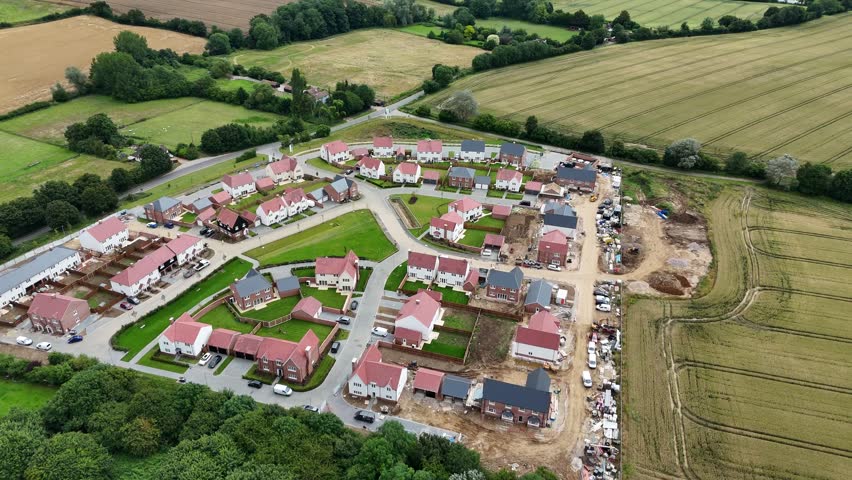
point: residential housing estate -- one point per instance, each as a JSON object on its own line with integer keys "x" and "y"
{"x": 539, "y": 340}
{"x": 335, "y": 152}
{"x": 146, "y": 272}
{"x": 239, "y": 184}
{"x": 429, "y": 151}
{"x": 58, "y": 314}
{"x": 373, "y": 378}
{"x": 285, "y": 170}
{"x": 528, "y": 404}
{"x": 106, "y": 236}
{"x": 338, "y": 273}
{"x": 416, "y": 320}
{"x": 14, "y": 283}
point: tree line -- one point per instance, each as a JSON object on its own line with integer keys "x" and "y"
{"x": 187, "y": 431}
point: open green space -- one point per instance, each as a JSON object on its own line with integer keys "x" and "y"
{"x": 489, "y": 221}
{"x": 459, "y": 319}
{"x": 395, "y": 278}
{"x": 441, "y": 9}
{"x": 274, "y": 309}
{"x": 144, "y": 331}
{"x": 323, "y": 165}
{"x": 27, "y": 396}
{"x": 293, "y": 330}
{"x": 363, "y": 277}
{"x": 421, "y": 30}
{"x": 559, "y": 34}
{"x": 222, "y": 317}
{"x": 765, "y": 93}
{"x": 357, "y": 231}
{"x": 18, "y": 11}
{"x": 448, "y": 343}
{"x": 473, "y": 238}
{"x": 666, "y": 12}
{"x": 328, "y": 297}
{"x": 161, "y": 361}
{"x": 450, "y": 295}
{"x": 234, "y": 85}
{"x": 423, "y": 209}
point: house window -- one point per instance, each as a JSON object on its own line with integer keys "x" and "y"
{"x": 292, "y": 376}
{"x": 491, "y": 410}
{"x": 291, "y": 368}
{"x": 357, "y": 385}
{"x": 277, "y": 363}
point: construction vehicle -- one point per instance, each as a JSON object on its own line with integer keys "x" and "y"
{"x": 594, "y": 198}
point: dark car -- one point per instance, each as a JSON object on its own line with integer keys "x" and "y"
{"x": 215, "y": 361}
{"x": 525, "y": 203}
{"x": 205, "y": 230}
{"x": 169, "y": 225}
{"x": 255, "y": 384}
{"x": 353, "y": 305}
{"x": 75, "y": 339}
{"x": 365, "y": 416}
{"x": 311, "y": 408}
{"x": 349, "y": 172}
{"x": 335, "y": 347}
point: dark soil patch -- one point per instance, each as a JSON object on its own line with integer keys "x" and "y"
{"x": 666, "y": 282}
{"x": 491, "y": 341}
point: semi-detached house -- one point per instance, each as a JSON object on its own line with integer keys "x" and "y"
{"x": 383, "y": 147}
{"x": 472, "y": 151}
{"x": 105, "y": 237}
{"x": 146, "y": 272}
{"x": 429, "y": 151}
{"x": 15, "y": 282}
{"x": 421, "y": 266}
{"x": 375, "y": 379}
{"x": 239, "y": 184}
{"x": 185, "y": 337}
{"x": 457, "y": 274}
{"x": 55, "y": 313}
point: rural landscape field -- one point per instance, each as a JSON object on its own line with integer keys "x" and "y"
{"x": 766, "y": 93}
{"x": 667, "y": 12}
{"x": 41, "y": 53}
{"x": 20, "y": 11}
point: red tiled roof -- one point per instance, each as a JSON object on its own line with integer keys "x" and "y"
{"x": 182, "y": 243}
{"x": 371, "y": 163}
{"x": 538, "y": 338}
{"x": 107, "y": 228}
{"x": 337, "y": 266}
{"x": 422, "y": 260}
{"x": 265, "y": 183}
{"x": 507, "y": 175}
{"x": 382, "y": 142}
{"x": 428, "y": 380}
{"x": 422, "y": 307}
{"x": 221, "y": 198}
{"x": 275, "y": 349}
{"x": 59, "y": 307}
{"x": 247, "y": 344}
{"x": 412, "y": 337}
{"x": 430, "y": 146}
{"x": 286, "y": 164}
{"x": 432, "y": 293}
{"x": 336, "y": 147}
{"x": 544, "y": 321}
{"x": 185, "y": 329}
{"x": 555, "y": 236}
{"x": 370, "y": 369}
{"x": 533, "y": 186}
{"x": 238, "y": 179}
{"x": 472, "y": 279}
{"x": 223, "y": 338}
{"x": 448, "y": 221}
{"x": 408, "y": 168}
{"x": 272, "y": 205}
{"x": 492, "y": 239}
{"x": 149, "y": 264}
{"x": 360, "y": 152}
{"x": 309, "y": 305}
{"x": 294, "y": 195}
{"x": 465, "y": 204}
{"x": 501, "y": 210}
{"x": 206, "y": 214}
{"x": 250, "y": 217}
{"x": 228, "y": 217}
{"x": 455, "y": 266}
{"x": 431, "y": 175}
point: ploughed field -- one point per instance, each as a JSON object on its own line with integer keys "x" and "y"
{"x": 754, "y": 379}
{"x": 766, "y": 93}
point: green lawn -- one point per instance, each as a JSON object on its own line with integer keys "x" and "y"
{"x": 303, "y": 272}
{"x": 451, "y": 344}
{"x": 459, "y": 319}
{"x": 546, "y": 31}
{"x": 451, "y": 295}
{"x": 473, "y": 238}
{"x": 515, "y": 196}
{"x": 16, "y": 11}
{"x": 274, "y": 309}
{"x": 149, "y": 360}
{"x": 415, "y": 285}
{"x": 221, "y": 317}
{"x": 396, "y": 276}
{"x": 23, "y": 395}
{"x": 356, "y": 231}
{"x": 422, "y": 30}
{"x": 222, "y": 366}
{"x": 329, "y": 298}
{"x": 293, "y": 330}
{"x": 134, "y": 339}
{"x": 323, "y": 165}
{"x": 424, "y": 209}
{"x": 363, "y": 277}
{"x": 489, "y": 221}
{"x": 227, "y": 85}
{"x": 318, "y": 376}
{"x": 495, "y": 193}
{"x": 188, "y": 217}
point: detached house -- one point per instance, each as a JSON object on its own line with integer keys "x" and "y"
{"x": 510, "y": 180}
{"x": 239, "y": 184}
{"x": 553, "y": 248}
{"x": 539, "y": 340}
{"x": 565, "y": 224}
{"x": 373, "y": 378}
{"x": 472, "y": 151}
{"x": 429, "y": 151}
{"x": 449, "y": 226}
{"x": 576, "y": 178}
{"x": 49, "y": 265}
{"x": 371, "y": 167}
{"x": 185, "y": 337}
{"x": 59, "y": 314}
{"x": 105, "y": 237}
{"x": 253, "y": 290}
{"x": 457, "y": 274}
{"x": 290, "y": 361}
{"x": 415, "y": 322}
{"x": 285, "y": 170}
{"x": 234, "y": 225}
{"x": 468, "y": 208}
{"x": 521, "y": 404}
{"x": 335, "y": 152}
{"x": 341, "y": 189}
{"x": 383, "y": 147}
{"x": 539, "y": 295}
{"x": 421, "y": 266}
{"x": 338, "y": 273}
{"x": 461, "y": 177}
{"x": 504, "y": 286}
{"x": 406, "y": 172}
{"x": 512, "y": 153}
{"x": 163, "y": 210}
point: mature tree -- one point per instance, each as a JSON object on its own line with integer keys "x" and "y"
{"x": 154, "y": 161}
{"x": 682, "y": 153}
{"x": 707, "y": 25}
{"x": 399, "y": 471}
{"x": 60, "y": 214}
{"x": 87, "y": 180}
{"x": 588, "y": 41}
{"x": 814, "y": 179}
{"x": 59, "y": 93}
{"x": 737, "y": 163}
{"x": 6, "y": 249}
{"x": 483, "y": 8}
{"x": 133, "y": 44}
{"x": 236, "y": 38}
{"x": 531, "y": 125}
{"x": 106, "y": 422}
{"x": 375, "y": 456}
{"x": 265, "y": 35}
{"x": 98, "y": 199}
{"x": 462, "y": 104}
{"x": 781, "y": 172}
{"x": 21, "y": 436}
{"x": 211, "y": 456}
{"x": 21, "y": 216}
{"x": 70, "y": 456}
{"x": 841, "y": 186}
{"x": 220, "y": 69}
{"x": 592, "y": 141}
{"x": 120, "y": 179}
{"x": 218, "y": 44}
{"x": 56, "y": 190}
{"x": 468, "y": 475}
{"x": 77, "y": 79}
{"x": 464, "y": 17}
{"x": 302, "y": 103}
{"x": 141, "y": 437}
{"x": 254, "y": 471}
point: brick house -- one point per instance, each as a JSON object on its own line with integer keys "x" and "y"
{"x": 429, "y": 151}
{"x": 563, "y": 223}
{"x": 341, "y": 189}
{"x": 239, "y": 184}
{"x": 510, "y": 180}
{"x": 163, "y": 210}
{"x": 576, "y": 178}
{"x": 539, "y": 296}
{"x": 222, "y": 341}
{"x": 512, "y": 153}
{"x": 520, "y": 404}
{"x": 504, "y": 286}
{"x": 335, "y": 152}
{"x": 468, "y": 208}
{"x": 371, "y": 167}
{"x": 450, "y": 227}
{"x": 416, "y": 320}
{"x": 253, "y": 290}
{"x": 461, "y": 177}
{"x": 539, "y": 340}
{"x": 220, "y": 199}
{"x": 58, "y": 314}
{"x": 472, "y": 151}
{"x": 453, "y": 272}
{"x": 232, "y": 224}
{"x": 553, "y": 248}
{"x": 185, "y": 336}
{"x": 421, "y": 266}
{"x": 289, "y": 361}
{"x": 406, "y": 172}
{"x": 373, "y": 378}
{"x": 383, "y": 146}
{"x": 105, "y": 237}
{"x": 285, "y": 170}
{"x": 307, "y": 308}
{"x": 338, "y": 273}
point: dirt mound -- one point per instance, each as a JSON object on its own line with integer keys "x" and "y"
{"x": 667, "y": 282}
{"x": 687, "y": 218}
{"x": 684, "y": 282}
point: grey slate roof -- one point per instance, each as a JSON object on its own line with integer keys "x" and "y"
{"x": 515, "y": 395}
{"x": 576, "y": 174}
{"x": 287, "y": 283}
{"x": 164, "y": 203}
{"x": 539, "y": 380}
{"x": 482, "y": 180}
{"x": 512, "y": 279}
{"x": 473, "y": 146}
{"x": 340, "y": 185}
{"x": 510, "y": 148}
{"x": 559, "y": 209}
{"x": 202, "y": 203}
{"x": 253, "y": 282}
{"x": 319, "y": 195}
{"x": 462, "y": 172}
{"x": 21, "y": 275}
{"x": 454, "y": 386}
{"x": 539, "y": 293}
{"x": 562, "y": 221}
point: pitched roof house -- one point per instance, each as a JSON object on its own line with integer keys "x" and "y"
{"x": 253, "y": 290}
{"x": 521, "y": 404}
{"x": 472, "y": 150}
{"x": 512, "y": 153}
{"x": 577, "y": 178}
{"x": 461, "y": 177}
{"x": 452, "y": 272}
{"x": 371, "y": 167}
{"x": 421, "y": 266}
{"x": 290, "y": 361}
{"x": 509, "y": 180}
{"x": 540, "y": 340}
{"x": 234, "y": 225}
{"x": 339, "y": 273}
{"x": 106, "y": 236}
{"x": 429, "y": 150}
{"x": 284, "y": 170}
{"x": 553, "y": 248}
{"x": 341, "y": 189}
{"x": 55, "y": 313}
{"x": 504, "y": 286}
{"x": 406, "y": 172}
{"x": 163, "y": 210}
{"x": 416, "y": 320}
{"x": 449, "y": 226}
{"x": 468, "y": 208}
{"x": 383, "y": 146}
{"x": 185, "y": 336}
{"x": 335, "y": 152}
{"x": 563, "y": 223}
{"x": 14, "y": 282}
{"x": 373, "y": 378}
{"x": 239, "y": 184}
{"x": 538, "y": 296}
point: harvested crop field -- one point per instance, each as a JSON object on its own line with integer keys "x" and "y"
{"x": 666, "y": 12}
{"x": 390, "y": 61}
{"x": 766, "y": 93}
{"x": 37, "y": 55}
{"x": 752, "y": 379}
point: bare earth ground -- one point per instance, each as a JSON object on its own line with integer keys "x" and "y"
{"x": 36, "y": 55}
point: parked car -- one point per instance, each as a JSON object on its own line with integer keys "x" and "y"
{"x": 205, "y": 358}
{"x": 380, "y": 331}
{"x": 126, "y": 305}
{"x": 525, "y": 203}
{"x": 202, "y": 265}
{"x": 215, "y": 361}
{"x": 486, "y": 252}
{"x": 255, "y": 383}
{"x": 335, "y": 347}
{"x": 281, "y": 389}
{"x": 587, "y": 379}
{"x": 603, "y": 307}
{"x": 181, "y": 380}
{"x": 209, "y": 233}
{"x": 311, "y": 408}
{"x": 169, "y": 225}
{"x": 601, "y": 291}
{"x": 24, "y": 340}
{"x": 344, "y": 320}
{"x": 188, "y": 273}
{"x": 353, "y": 305}
{"x": 75, "y": 338}
{"x": 205, "y": 230}
{"x": 152, "y": 225}
{"x": 592, "y": 347}
{"x": 44, "y": 346}
{"x": 555, "y": 268}
{"x": 134, "y": 300}
{"x": 601, "y": 299}
{"x": 349, "y": 172}
{"x": 593, "y": 361}
{"x": 365, "y": 416}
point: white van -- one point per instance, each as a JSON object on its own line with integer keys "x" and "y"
{"x": 282, "y": 389}
{"x": 593, "y": 360}
{"x": 592, "y": 348}
{"x": 587, "y": 379}
{"x": 380, "y": 331}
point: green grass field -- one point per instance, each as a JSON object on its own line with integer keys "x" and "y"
{"x": 473, "y": 238}
{"x": 424, "y": 209}
{"x": 148, "y": 328}
{"x": 149, "y": 361}
{"x": 765, "y": 93}
{"x": 546, "y": 31}
{"x": 441, "y": 9}
{"x": 17, "y": 11}
{"x": 459, "y": 319}
{"x": 396, "y": 276}
{"x": 27, "y": 396}
{"x": 234, "y": 85}
{"x": 666, "y": 12}
{"x": 391, "y": 62}
{"x": 274, "y": 310}
{"x": 294, "y": 330}
{"x": 447, "y": 343}
{"x": 328, "y": 297}
{"x": 221, "y": 317}
{"x": 760, "y": 363}
{"x": 356, "y": 231}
